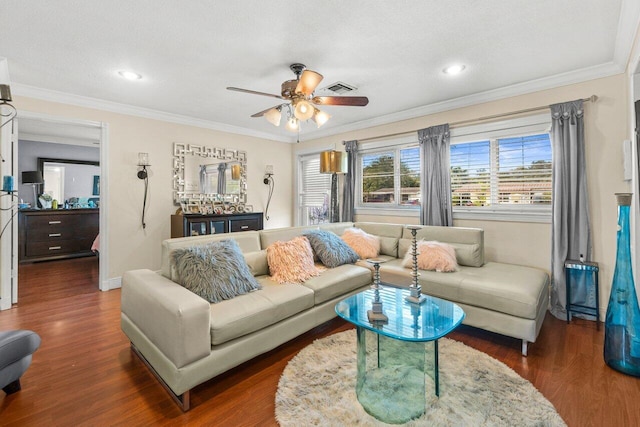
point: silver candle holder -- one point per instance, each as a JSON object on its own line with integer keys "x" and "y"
{"x": 415, "y": 290}
{"x": 376, "y": 314}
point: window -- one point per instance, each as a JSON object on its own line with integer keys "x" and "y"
{"x": 314, "y": 190}
{"x": 390, "y": 177}
{"x": 501, "y": 172}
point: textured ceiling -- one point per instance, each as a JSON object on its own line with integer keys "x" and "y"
{"x": 189, "y": 51}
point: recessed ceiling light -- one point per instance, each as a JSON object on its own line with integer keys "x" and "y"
{"x": 454, "y": 69}
{"x": 130, "y": 75}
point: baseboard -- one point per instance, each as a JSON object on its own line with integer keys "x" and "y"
{"x": 113, "y": 283}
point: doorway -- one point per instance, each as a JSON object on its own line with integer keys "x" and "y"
{"x": 79, "y": 257}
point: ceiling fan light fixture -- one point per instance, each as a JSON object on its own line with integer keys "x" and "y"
{"x": 274, "y": 116}
{"x": 303, "y": 110}
{"x": 292, "y": 124}
{"x": 320, "y": 117}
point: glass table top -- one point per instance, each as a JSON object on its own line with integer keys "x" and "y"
{"x": 428, "y": 321}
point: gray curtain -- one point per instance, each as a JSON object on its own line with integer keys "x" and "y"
{"x": 571, "y": 234}
{"x": 348, "y": 192}
{"x": 222, "y": 178}
{"x": 435, "y": 184}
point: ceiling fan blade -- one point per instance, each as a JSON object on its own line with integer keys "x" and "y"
{"x": 353, "y": 101}
{"x": 309, "y": 80}
{"x": 254, "y": 92}
{"x": 262, "y": 113}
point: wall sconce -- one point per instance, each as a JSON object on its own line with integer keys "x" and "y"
{"x": 333, "y": 162}
{"x": 268, "y": 180}
{"x": 143, "y": 162}
{"x": 5, "y": 99}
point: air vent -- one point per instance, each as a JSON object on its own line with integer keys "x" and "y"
{"x": 339, "y": 87}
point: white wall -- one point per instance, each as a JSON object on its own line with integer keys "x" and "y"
{"x": 606, "y": 125}
{"x": 131, "y": 247}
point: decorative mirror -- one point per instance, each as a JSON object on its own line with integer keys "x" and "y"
{"x": 66, "y": 179}
{"x": 209, "y": 179}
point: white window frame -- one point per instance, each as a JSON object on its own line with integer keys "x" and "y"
{"x": 386, "y": 209}
{"x": 300, "y": 156}
{"x": 524, "y": 126}
{"x": 521, "y": 126}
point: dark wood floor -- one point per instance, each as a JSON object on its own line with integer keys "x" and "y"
{"x": 85, "y": 373}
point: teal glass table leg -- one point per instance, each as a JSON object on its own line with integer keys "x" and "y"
{"x": 391, "y": 377}
{"x": 436, "y": 375}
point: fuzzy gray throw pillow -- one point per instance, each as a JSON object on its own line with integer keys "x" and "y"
{"x": 330, "y": 249}
{"x": 216, "y": 271}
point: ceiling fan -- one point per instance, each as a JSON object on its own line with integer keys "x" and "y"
{"x": 300, "y": 103}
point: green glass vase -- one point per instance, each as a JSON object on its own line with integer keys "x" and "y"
{"x": 622, "y": 323}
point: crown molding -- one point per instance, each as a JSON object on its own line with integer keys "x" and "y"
{"x": 115, "y": 107}
{"x": 573, "y": 77}
{"x": 628, "y": 25}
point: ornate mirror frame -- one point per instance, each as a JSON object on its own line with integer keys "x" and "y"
{"x": 195, "y": 202}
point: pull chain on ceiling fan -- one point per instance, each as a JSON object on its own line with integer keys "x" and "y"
{"x": 300, "y": 103}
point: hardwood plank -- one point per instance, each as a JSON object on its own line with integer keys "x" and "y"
{"x": 85, "y": 373}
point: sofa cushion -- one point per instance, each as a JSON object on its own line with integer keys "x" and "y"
{"x": 434, "y": 256}
{"x": 268, "y": 237}
{"x": 381, "y": 258}
{"x": 507, "y": 288}
{"x": 330, "y": 249}
{"x": 389, "y": 235}
{"x": 336, "y": 227}
{"x": 257, "y": 262}
{"x": 364, "y": 244}
{"x": 248, "y": 241}
{"x": 251, "y": 312}
{"x": 334, "y": 282}
{"x": 468, "y": 242}
{"x": 436, "y": 284}
{"x": 512, "y": 289}
{"x": 292, "y": 261}
{"x": 216, "y": 271}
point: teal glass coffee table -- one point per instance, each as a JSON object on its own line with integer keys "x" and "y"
{"x": 397, "y": 356}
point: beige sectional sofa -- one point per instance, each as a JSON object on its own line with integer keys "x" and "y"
{"x": 186, "y": 341}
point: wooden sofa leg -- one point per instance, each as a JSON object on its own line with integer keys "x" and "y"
{"x": 183, "y": 400}
{"x": 12, "y": 387}
{"x": 525, "y": 345}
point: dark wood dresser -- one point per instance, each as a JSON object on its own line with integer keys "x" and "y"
{"x": 197, "y": 225}
{"x": 49, "y": 234}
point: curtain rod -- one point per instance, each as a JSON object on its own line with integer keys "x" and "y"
{"x": 592, "y": 98}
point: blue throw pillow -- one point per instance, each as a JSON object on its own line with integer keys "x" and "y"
{"x": 330, "y": 249}
{"x": 216, "y": 271}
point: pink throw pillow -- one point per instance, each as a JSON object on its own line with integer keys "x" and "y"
{"x": 364, "y": 244}
{"x": 433, "y": 255}
{"x": 292, "y": 261}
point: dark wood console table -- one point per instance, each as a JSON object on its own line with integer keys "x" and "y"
{"x": 48, "y": 234}
{"x": 197, "y": 225}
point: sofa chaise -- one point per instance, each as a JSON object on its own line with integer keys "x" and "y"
{"x": 186, "y": 340}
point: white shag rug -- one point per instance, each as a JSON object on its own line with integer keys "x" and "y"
{"x": 318, "y": 388}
